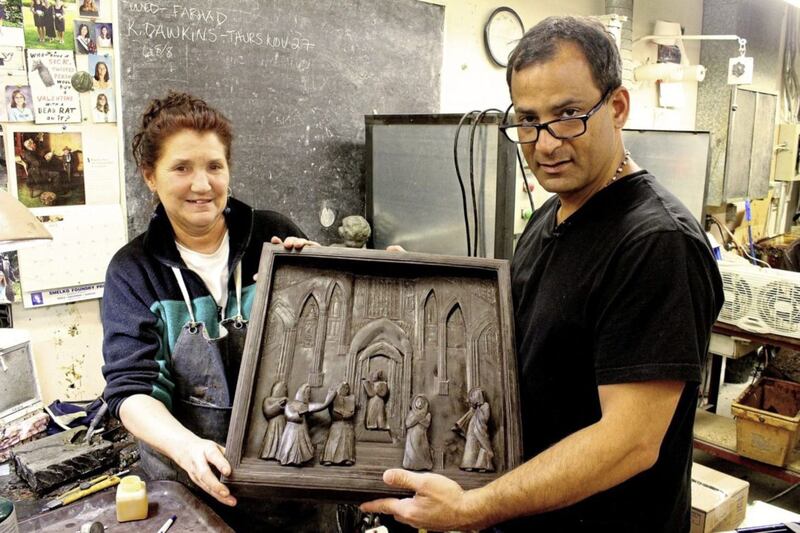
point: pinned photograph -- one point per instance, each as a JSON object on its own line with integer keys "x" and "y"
{"x": 48, "y": 24}
{"x": 3, "y": 167}
{"x": 89, "y": 8}
{"x": 49, "y": 169}
{"x": 11, "y": 33}
{"x": 10, "y": 14}
{"x": 105, "y": 35}
{"x": 100, "y": 68}
{"x": 85, "y": 37}
{"x": 18, "y": 103}
{"x": 103, "y": 109}
{"x": 10, "y": 290}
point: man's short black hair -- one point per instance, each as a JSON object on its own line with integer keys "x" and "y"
{"x": 540, "y": 44}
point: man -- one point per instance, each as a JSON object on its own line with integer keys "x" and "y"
{"x": 615, "y": 291}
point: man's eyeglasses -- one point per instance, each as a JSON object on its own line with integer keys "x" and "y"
{"x": 560, "y": 128}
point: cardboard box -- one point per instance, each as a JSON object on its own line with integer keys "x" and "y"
{"x": 719, "y": 501}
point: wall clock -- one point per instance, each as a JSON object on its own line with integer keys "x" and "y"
{"x": 501, "y": 34}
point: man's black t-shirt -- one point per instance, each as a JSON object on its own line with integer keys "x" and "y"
{"x": 625, "y": 290}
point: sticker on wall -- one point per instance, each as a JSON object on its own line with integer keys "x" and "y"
{"x": 740, "y": 70}
{"x": 50, "y": 72}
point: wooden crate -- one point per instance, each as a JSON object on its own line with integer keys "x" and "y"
{"x": 767, "y": 419}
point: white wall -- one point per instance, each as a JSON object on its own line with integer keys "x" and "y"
{"x": 469, "y": 79}
{"x": 67, "y": 348}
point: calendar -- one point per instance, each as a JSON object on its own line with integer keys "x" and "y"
{"x": 71, "y": 267}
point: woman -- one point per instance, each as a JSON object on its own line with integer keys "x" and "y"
{"x": 58, "y": 14}
{"x": 18, "y": 111}
{"x": 272, "y": 407}
{"x": 296, "y": 447}
{"x": 102, "y": 111}
{"x": 474, "y": 426}
{"x": 104, "y": 37}
{"x": 39, "y": 9}
{"x": 377, "y": 389}
{"x": 171, "y": 365}
{"x": 83, "y": 42}
{"x": 88, "y": 9}
{"x": 101, "y": 77}
{"x": 50, "y": 22}
{"x": 340, "y": 446}
{"x": 417, "y": 454}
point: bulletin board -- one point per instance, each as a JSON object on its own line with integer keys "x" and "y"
{"x": 60, "y": 144}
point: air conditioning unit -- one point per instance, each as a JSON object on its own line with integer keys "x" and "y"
{"x": 761, "y": 300}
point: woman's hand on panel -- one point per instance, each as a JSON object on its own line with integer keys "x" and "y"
{"x": 197, "y": 459}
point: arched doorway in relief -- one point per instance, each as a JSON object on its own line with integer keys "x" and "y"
{"x": 305, "y": 338}
{"x": 454, "y": 349}
{"x": 382, "y": 345}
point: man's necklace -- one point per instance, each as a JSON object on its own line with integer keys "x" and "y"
{"x": 618, "y": 172}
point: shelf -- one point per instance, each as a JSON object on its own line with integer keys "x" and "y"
{"x": 716, "y": 434}
{"x": 763, "y": 338}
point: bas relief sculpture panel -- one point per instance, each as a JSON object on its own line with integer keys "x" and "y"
{"x": 356, "y": 370}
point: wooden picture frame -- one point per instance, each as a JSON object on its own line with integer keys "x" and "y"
{"x": 393, "y": 326}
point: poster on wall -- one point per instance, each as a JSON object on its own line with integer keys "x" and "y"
{"x": 49, "y": 168}
{"x": 54, "y": 100}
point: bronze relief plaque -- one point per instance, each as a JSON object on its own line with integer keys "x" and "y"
{"x": 361, "y": 360}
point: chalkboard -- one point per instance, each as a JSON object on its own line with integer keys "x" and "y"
{"x": 296, "y": 79}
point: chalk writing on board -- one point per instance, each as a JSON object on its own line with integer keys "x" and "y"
{"x": 54, "y": 99}
{"x": 206, "y": 25}
{"x": 295, "y": 77}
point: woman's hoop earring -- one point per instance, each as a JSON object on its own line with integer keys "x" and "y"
{"x": 230, "y": 192}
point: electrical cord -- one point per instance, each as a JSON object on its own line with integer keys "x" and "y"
{"x": 473, "y": 237}
{"x": 460, "y": 180}
{"x": 782, "y": 493}
{"x": 475, "y": 220}
{"x": 736, "y": 244}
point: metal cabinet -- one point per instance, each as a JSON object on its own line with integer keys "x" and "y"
{"x": 751, "y": 130}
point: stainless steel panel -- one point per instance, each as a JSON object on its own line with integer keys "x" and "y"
{"x": 740, "y": 144}
{"x": 678, "y": 160}
{"x": 763, "y": 144}
{"x": 416, "y": 199}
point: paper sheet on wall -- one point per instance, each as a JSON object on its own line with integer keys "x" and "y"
{"x": 73, "y": 266}
{"x": 50, "y": 74}
{"x": 101, "y": 165}
{"x": 12, "y": 60}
